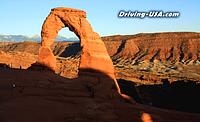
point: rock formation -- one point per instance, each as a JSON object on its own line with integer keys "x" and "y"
{"x": 173, "y": 47}
{"x": 94, "y": 56}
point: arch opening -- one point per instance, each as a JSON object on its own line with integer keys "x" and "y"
{"x": 67, "y": 51}
{"x": 65, "y": 35}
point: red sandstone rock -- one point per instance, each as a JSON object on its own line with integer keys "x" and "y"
{"x": 146, "y": 117}
{"x": 174, "y": 47}
{"x": 40, "y": 96}
{"x": 94, "y": 55}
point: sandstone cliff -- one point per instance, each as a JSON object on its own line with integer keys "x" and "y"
{"x": 172, "y": 47}
{"x": 169, "y": 54}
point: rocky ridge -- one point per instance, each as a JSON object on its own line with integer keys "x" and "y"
{"x": 133, "y": 55}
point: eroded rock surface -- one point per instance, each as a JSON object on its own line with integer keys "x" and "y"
{"x": 94, "y": 56}
{"x": 166, "y": 47}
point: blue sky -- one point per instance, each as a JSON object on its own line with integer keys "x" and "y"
{"x": 26, "y": 17}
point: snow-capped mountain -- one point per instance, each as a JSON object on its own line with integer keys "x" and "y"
{"x": 37, "y": 38}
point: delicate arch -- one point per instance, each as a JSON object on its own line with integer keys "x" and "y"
{"x": 94, "y": 54}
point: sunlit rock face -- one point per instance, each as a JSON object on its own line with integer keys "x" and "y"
{"x": 94, "y": 56}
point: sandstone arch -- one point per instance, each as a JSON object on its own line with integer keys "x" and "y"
{"x": 94, "y": 54}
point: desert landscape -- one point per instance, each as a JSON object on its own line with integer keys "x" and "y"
{"x": 145, "y": 77}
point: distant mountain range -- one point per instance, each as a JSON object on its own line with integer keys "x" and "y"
{"x": 36, "y": 38}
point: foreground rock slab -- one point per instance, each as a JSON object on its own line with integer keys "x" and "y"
{"x": 40, "y": 96}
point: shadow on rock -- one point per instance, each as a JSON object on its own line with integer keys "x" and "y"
{"x": 181, "y": 95}
{"x": 72, "y": 50}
